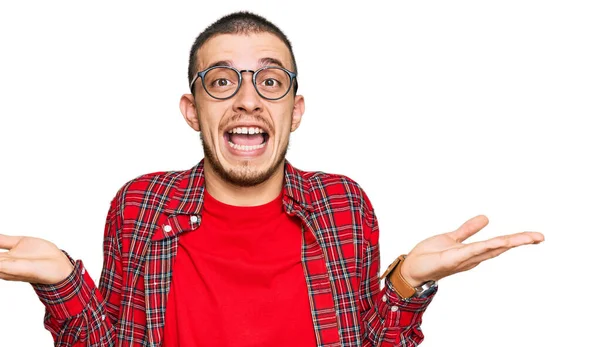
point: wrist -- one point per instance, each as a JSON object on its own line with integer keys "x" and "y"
{"x": 67, "y": 267}
{"x": 399, "y": 284}
{"x": 402, "y": 268}
{"x": 68, "y": 271}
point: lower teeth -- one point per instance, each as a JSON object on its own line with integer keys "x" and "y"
{"x": 244, "y": 147}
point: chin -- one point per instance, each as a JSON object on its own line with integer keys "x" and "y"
{"x": 244, "y": 167}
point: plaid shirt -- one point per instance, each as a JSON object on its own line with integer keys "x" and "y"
{"x": 340, "y": 256}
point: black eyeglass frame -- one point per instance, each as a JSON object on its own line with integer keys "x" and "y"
{"x": 203, "y": 73}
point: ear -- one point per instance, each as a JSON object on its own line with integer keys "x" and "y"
{"x": 189, "y": 112}
{"x": 297, "y": 112}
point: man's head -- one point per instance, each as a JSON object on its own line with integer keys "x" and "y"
{"x": 245, "y": 136}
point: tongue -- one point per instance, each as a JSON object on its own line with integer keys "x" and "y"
{"x": 245, "y": 139}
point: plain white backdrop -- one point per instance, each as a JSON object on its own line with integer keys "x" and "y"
{"x": 441, "y": 110}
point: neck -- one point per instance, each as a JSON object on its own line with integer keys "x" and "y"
{"x": 232, "y": 194}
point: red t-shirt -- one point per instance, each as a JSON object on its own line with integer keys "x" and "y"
{"x": 238, "y": 280}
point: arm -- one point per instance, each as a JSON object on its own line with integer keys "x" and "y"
{"x": 387, "y": 319}
{"x": 77, "y": 312}
{"x": 431, "y": 259}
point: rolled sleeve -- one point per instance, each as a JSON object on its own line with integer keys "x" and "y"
{"x": 69, "y": 297}
{"x": 400, "y": 312}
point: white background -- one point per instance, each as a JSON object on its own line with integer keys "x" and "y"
{"x": 441, "y": 110}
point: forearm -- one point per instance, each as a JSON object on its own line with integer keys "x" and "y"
{"x": 75, "y": 314}
{"x": 387, "y": 319}
{"x": 392, "y": 321}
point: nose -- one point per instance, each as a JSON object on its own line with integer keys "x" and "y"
{"x": 247, "y": 99}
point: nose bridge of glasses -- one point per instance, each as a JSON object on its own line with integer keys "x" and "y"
{"x": 251, "y": 79}
{"x": 250, "y": 76}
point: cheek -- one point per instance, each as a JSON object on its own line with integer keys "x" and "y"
{"x": 286, "y": 125}
{"x": 283, "y": 132}
{"x": 282, "y": 117}
{"x": 210, "y": 116}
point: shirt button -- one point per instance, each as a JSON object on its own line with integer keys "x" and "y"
{"x": 194, "y": 219}
{"x": 83, "y": 271}
{"x": 395, "y": 308}
{"x": 167, "y": 228}
{"x": 103, "y": 316}
{"x": 384, "y": 298}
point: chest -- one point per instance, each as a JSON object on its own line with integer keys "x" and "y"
{"x": 328, "y": 247}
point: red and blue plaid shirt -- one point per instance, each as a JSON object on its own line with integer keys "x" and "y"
{"x": 340, "y": 256}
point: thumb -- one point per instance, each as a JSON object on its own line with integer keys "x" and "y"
{"x": 8, "y": 241}
{"x": 469, "y": 228}
{"x": 13, "y": 266}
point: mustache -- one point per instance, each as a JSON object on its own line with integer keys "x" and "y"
{"x": 254, "y": 118}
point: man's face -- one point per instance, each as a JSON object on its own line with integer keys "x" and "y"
{"x": 245, "y": 137}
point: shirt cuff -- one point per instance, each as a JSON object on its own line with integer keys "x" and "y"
{"x": 402, "y": 312}
{"x": 411, "y": 304}
{"x": 69, "y": 297}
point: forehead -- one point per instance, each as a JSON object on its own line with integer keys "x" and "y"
{"x": 243, "y": 50}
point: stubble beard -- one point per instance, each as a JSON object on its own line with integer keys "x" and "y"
{"x": 243, "y": 175}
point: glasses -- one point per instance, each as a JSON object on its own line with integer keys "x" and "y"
{"x": 223, "y": 82}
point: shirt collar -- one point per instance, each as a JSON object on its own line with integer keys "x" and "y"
{"x": 188, "y": 195}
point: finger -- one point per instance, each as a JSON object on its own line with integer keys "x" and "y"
{"x": 14, "y": 266}
{"x": 474, "y": 261}
{"x": 472, "y": 250}
{"x": 8, "y": 241}
{"x": 8, "y": 277}
{"x": 537, "y": 236}
{"x": 469, "y": 228}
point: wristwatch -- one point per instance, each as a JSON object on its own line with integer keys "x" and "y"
{"x": 403, "y": 288}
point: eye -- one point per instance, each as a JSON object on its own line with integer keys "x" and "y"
{"x": 221, "y": 82}
{"x": 271, "y": 82}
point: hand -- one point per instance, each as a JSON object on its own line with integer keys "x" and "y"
{"x": 445, "y": 254}
{"x": 33, "y": 260}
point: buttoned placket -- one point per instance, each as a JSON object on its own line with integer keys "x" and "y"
{"x": 302, "y": 211}
{"x": 158, "y": 282}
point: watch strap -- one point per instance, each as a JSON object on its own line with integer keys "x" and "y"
{"x": 401, "y": 287}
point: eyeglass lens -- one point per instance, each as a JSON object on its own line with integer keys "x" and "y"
{"x": 222, "y": 82}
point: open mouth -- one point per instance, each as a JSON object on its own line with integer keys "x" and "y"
{"x": 246, "y": 139}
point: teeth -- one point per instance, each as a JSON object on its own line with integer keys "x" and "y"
{"x": 246, "y": 148}
{"x": 246, "y": 130}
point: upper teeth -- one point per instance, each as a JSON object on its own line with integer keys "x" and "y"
{"x": 246, "y": 130}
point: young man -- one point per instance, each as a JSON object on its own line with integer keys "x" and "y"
{"x": 243, "y": 249}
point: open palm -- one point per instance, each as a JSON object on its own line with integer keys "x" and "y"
{"x": 33, "y": 260}
{"x": 445, "y": 254}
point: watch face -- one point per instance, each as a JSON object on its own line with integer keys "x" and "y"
{"x": 427, "y": 288}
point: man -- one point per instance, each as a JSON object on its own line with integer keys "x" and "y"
{"x": 243, "y": 249}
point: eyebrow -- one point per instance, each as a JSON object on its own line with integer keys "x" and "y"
{"x": 262, "y": 61}
{"x": 270, "y": 61}
{"x": 221, "y": 63}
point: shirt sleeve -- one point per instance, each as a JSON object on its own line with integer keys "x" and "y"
{"x": 388, "y": 320}
{"x": 77, "y": 313}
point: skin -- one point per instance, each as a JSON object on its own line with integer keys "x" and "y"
{"x": 211, "y": 117}
{"x": 35, "y": 260}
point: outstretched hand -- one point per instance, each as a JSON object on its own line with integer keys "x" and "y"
{"x": 445, "y": 254}
{"x": 33, "y": 260}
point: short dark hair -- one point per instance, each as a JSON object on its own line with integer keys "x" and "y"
{"x": 241, "y": 22}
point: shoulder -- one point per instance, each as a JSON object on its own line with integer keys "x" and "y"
{"x": 326, "y": 188}
{"x": 146, "y": 189}
{"x": 342, "y": 198}
{"x": 334, "y": 183}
